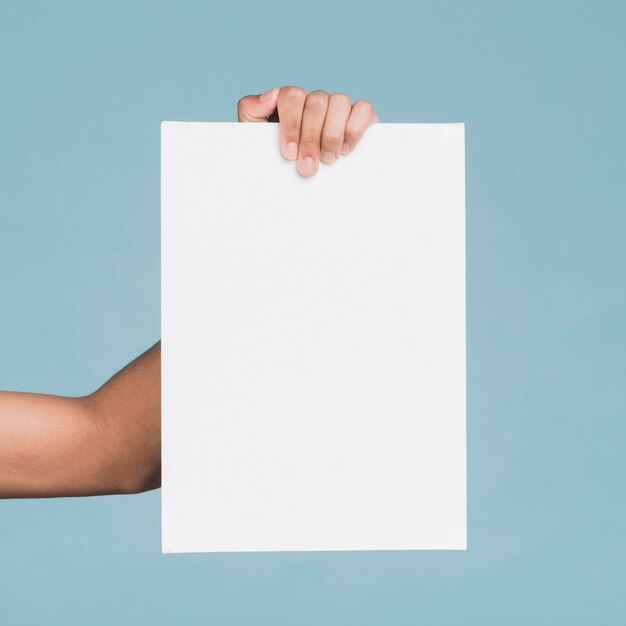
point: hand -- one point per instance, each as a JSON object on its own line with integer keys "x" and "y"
{"x": 314, "y": 127}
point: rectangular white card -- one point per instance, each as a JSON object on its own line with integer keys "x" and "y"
{"x": 313, "y": 342}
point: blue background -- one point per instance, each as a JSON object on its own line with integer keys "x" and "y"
{"x": 540, "y": 86}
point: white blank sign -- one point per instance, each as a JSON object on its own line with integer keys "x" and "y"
{"x": 313, "y": 342}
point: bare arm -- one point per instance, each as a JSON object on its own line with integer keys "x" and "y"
{"x": 104, "y": 443}
{"x": 110, "y": 441}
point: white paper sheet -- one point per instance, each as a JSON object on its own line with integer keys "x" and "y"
{"x": 313, "y": 342}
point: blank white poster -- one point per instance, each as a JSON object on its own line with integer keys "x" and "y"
{"x": 313, "y": 342}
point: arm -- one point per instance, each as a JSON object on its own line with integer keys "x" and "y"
{"x": 105, "y": 443}
{"x": 110, "y": 441}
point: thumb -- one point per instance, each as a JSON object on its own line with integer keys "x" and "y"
{"x": 257, "y": 108}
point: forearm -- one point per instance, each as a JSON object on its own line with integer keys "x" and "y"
{"x": 107, "y": 442}
{"x": 47, "y": 446}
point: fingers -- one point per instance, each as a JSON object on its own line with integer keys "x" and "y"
{"x": 257, "y": 108}
{"x": 339, "y": 107}
{"x": 313, "y": 117}
{"x": 313, "y": 127}
{"x": 361, "y": 118}
{"x": 290, "y": 107}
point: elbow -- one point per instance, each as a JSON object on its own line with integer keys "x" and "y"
{"x": 128, "y": 458}
{"x": 138, "y": 480}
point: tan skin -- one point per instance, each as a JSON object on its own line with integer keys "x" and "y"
{"x": 109, "y": 442}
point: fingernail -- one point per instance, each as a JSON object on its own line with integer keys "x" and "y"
{"x": 345, "y": 148}
{"x": 291, "y": 151}
{"x": 329, "y": 157}
{"x": 308, "y": 166}
{"x": 267, "y": 95}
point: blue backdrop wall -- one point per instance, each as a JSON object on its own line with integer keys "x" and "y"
{"x": 539, "y": 85}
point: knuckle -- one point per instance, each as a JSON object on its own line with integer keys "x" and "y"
{"x": 291, "y": 133}
{"x": 332, "y": 140}
{"x": 342, "y": 99}
{"x": 317, "y": 100}
{"x": 310, "y": 143}
{"x": 366, "y": 106}
{"x": 290, "y": 124}
{"x": 351, "y": 132}
{"x": 293, "y": 93}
